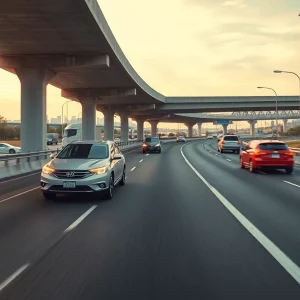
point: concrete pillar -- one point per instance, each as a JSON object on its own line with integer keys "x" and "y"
{"x": 140, "y": 129}
{"x": 88, "y": 120}
{"x": 124, "y": 126}
{"x": 252, "y": 126}
{"x": 33, "y": 108}
{"x": 285, "y": 121}
{"x": 225, "y": 126}
{"x": 109, "y": 114}
{"x": 190, "y": 129}
{"x": 153, "y": 127}
{"x": 199, "y": 128}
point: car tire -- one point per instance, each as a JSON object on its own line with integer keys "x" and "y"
{"x": 241, "y": 164}
{"x": 144, "y": 151}
{"x": 159, "y": 151}
{"x": 12, "y": 151}
{"x": 123, "y": 179}
{"x": 251, "y": 169}
{"x": 289, "y": 170}
{"x": 109, "y": 193}
{"x": 218, "y": 150}
{"x": 221, "y": 150}
{"x": 49, "y": 196}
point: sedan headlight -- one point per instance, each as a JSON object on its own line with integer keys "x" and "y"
{"x": 157, "y": 145}
{"x": 144, "y": 145}
{"x": 47, "y": 169}
{"x": 98, "y": 171}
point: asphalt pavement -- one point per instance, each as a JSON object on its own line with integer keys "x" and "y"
{"x": 165, "y": 235}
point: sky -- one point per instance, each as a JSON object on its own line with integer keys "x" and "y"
{"x": 195, "y": 48}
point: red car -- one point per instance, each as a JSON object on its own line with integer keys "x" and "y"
{"x": 271, "y": 154}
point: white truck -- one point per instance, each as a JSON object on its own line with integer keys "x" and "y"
{"x": 73, "y": 132}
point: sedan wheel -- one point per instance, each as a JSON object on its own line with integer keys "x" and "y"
{"x": 122, "y": 181}
{"x": 251, "y": 169}
{"x": 241, "y": 164}
{"x": 12, "y": 151}
{"x": 109, "y": 193}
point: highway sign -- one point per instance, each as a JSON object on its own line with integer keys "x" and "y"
{"x": 222, "y": 122}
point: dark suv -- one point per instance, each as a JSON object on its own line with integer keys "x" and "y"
{"x": 151, "y": 144}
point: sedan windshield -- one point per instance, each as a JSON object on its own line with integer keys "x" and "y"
{"x": 84, "y": 151}
{"x": 152, "y": 140}
{"x": 273, "y": 146}
{"x": 231, "y": 138}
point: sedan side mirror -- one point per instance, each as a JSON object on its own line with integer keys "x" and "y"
{"x": 117, "y": 157}
{"x": 53, "y": 155}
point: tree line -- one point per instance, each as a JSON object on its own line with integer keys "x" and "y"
{"x": 8, "y": 133}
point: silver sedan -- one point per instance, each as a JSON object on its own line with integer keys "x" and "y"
{"x": 85, "y": 167}
{"x": 9, "y": 149}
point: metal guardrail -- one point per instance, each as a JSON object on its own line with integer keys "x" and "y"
{"x": 30, "y": 156}
{"x": 34, "y": 156}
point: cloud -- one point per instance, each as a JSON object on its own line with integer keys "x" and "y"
{"x": 235, "y": 3}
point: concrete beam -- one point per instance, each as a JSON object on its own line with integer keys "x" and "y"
{"x": 98, "y": 94}
{"x": 54, "y": 61}
{"x": 131, "y": 109}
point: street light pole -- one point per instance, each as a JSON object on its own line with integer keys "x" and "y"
{"x": 62, "y": 118}
{"x": 288, "y": 72}
{"x": 276, "y": 107}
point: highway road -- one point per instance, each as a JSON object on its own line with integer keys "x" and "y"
{"x": 188, "y": 224}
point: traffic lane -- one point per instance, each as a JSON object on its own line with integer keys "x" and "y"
{"x": 269, "y": 203}
{"x": 163, "y": 236}
{"x": 15, "y": 186}
{"x": 278, "y": 174}
{"x": 28, "y": 230}
{"x": 29, "y": 224}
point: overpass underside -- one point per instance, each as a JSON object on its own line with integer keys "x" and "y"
{"x": 69, "y": 44}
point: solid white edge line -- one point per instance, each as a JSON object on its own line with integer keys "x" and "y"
{"x": 80, "y": 219}
{"x": 280, "y": 256}
{"x": 7, "y": 281}
{"x": 132, "y": 169}
{"x": 1, "y": 182}
{"x": 141, "y": 160}
{"x": 291, "y": 183}
{"x": 14, "y": 196}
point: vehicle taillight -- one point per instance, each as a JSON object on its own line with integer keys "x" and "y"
{"x": 223, "y": 142}
{"x": 239, "y": 142}
{"x": 258, "y": 152}
{"x": 289, "y": 153}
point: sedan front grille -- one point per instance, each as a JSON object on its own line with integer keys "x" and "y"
{"x": 69, "y": 174}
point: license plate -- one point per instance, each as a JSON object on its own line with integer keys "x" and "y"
{"x": 69, "y": 185}
{"x": 275, "y": 155}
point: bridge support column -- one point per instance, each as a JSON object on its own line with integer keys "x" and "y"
{"x": 153, "y": 127}
{"x": 140, "y": 129}
{"x": 124, "y": 126}
{"x": 33, "y": 107}
{"x": 190, "y": 129}
{"x": 252, "y": 126}
{"x": 88, "y": 119}
{"x": 285, "y": 121}
{"x": 225, "y": 126}
{"x": 199, "y": 128}
{"x": 109, "y": 114}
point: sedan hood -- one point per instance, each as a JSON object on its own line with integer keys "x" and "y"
{"x": 77, "y": 164}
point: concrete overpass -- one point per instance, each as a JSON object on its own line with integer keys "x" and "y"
{"x": 70, "y": 45}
